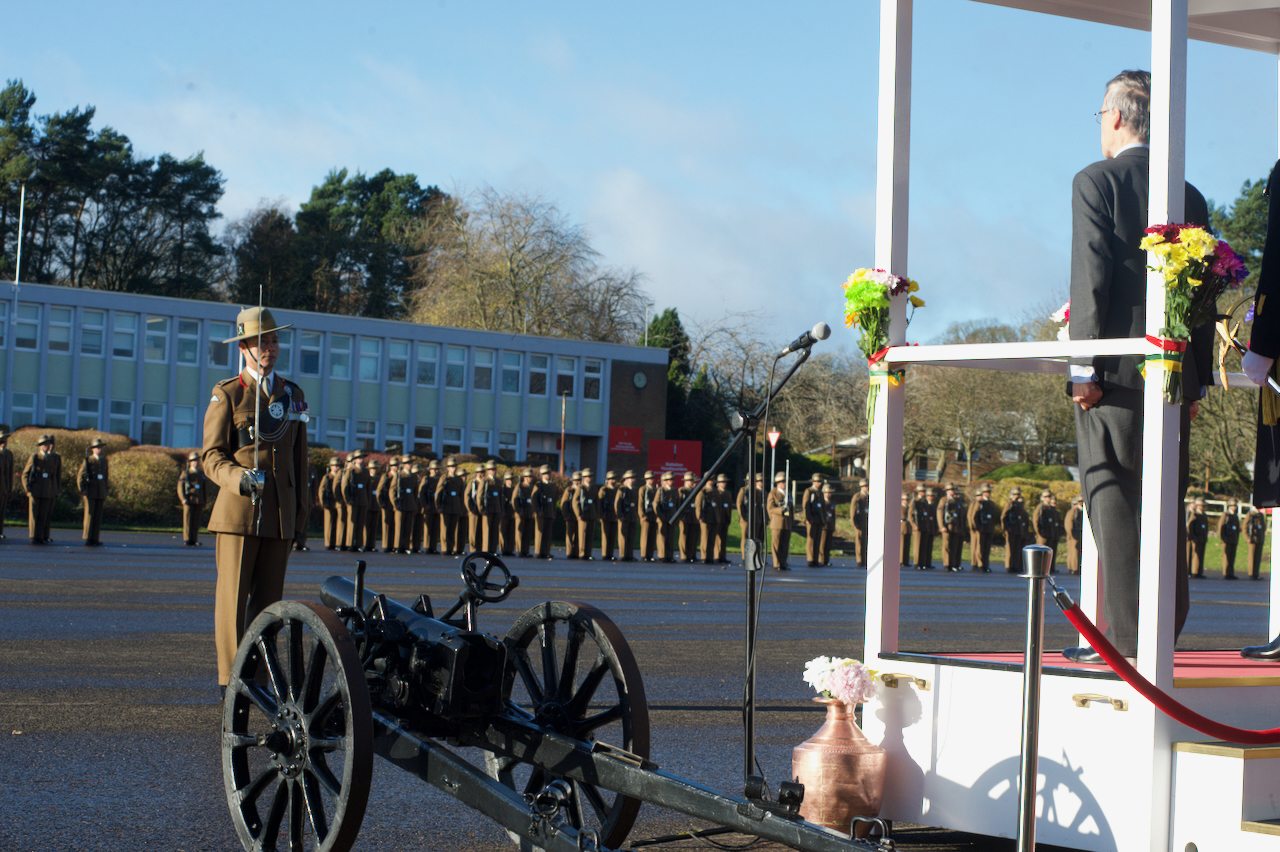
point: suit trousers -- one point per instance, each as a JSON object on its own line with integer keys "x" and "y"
{"x": 1109, "y": 437}
{"x": 250, "y": 578}
{"x": 93, "y": 519}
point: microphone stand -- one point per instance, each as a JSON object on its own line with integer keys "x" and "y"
{"x": 745, "y": 425}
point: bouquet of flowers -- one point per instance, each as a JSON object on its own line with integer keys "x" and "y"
{"x": 844, "y": 679}
{"x": 1197, "y": 267}
{"x": 866, "y": 303}
{"x": 1063, "y": 315}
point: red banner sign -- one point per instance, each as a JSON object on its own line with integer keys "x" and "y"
{"x": 675, "y": 456}
{"x": 624, "y": 439}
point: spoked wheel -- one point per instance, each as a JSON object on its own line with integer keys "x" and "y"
{"x": 574, "y": 674}
{"x": 297, "y": 733}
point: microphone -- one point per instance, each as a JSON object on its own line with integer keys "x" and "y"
{"x": 821, "y": 331}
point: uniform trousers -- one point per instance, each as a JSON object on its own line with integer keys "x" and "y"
{"x": 191, "y": 515}
{"x": 708, "y": 542}
{"x": 586, "y": 538}
{"x": 1229, "y": 556}
{"x": 524, "y": 534}
{"x": 781, "y": 546}
{"x": 431, "y": 520}
{"x": 608, "y": 537}
{"x": 250, "y": 578}
{"x": 626, "y": 545}
{"x": 542, "y": 527}
{"x": 356, "y": 527}
{"x": 666, "y": 540}
{"x": 93, "y": 519}
{"x": 648, "y": 537}
{"x": 449, "y": 525}
{"x": 39, "y": 515}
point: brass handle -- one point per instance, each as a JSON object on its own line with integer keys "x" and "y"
{"x": 1083, "y": 699}
{"x": 891, "y": 681}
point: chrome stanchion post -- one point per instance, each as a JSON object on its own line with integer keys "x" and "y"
{"x": 1036, "y": 561}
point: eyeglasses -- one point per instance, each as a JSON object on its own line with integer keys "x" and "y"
{"x": 1097, "y": 116}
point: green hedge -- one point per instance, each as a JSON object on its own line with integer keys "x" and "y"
{"x": 1036, "y": 472}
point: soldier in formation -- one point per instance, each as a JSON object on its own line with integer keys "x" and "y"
{"x": 923, "y": 519}
{"x": 192, "y": 494}
{"x": 983, "y": 515}
{"x": 811, "y": 508}
{"x": 383, "y": 506}
{"x": 405, "y": 504}
{"x": 626, "y": 508}
{"x": 607, "y": 495}
{"x": 1047, "y": 524}
{"x": 544, "y": 506}
{"x": 751, "y": 526}
{"x": 706, "y": 508}
{"x": 42, "y": 480}
{"x": 507, "y": 529}
{"x": 668, "y": 502}
{"x": 1017, "y": 531}
{"x": 904, "y": 556}
{"x": 1073, "y": 529}
{"x": 430, "y": 509}
{"x": 94, "y": 479}
{"x": 648, "y": 511}
{"x": 1197, "y": 537}
{"x": 1255, "y": 532}
{"x": 780, "y": 511}
{"x": 6, "y": 477}
{"x": 522, "y": 508}
{"x": 860, "y": 515}
{"x": 1229, "y": 534}
{"x": 355, "y": 496}
{"x": 570, "y": 515}
{"x": 828, "y": 524}
{"x": 689, "y": 527}
{"x": 950, "y": 516}
{"x": 586, "y": 505}
{"x": 452, "y": 509}
{"x": 417, "y": 534}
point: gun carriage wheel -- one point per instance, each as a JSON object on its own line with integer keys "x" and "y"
{"x": 571, "y": 671}
{"x": 297, "y": 732}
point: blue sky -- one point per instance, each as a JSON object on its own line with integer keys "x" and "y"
{"x": 725, "y": 150}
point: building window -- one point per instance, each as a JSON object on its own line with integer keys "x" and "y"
{"x": 424, "y": 438}
{"x": 367, "y": 435}
{"x": 27, "y": 333}
{"x": 539, "y": 366}
{"x": 55, "y": 411}
{"x": 313, "y": 431}
{"x": 121, "y": 420}
{"x": 428, "y": 357}
{"x": 370, "y": 359}
{"x": 511, "y": 365}
{"x": 124, "y": 337}
{"x": 507, "y": 445}
{"x": 452, "y": 441}
{"x": 395, "y": 439}
{"x": 309, "y": 353}
{"x": 591, "y": 373}
{"x": 565, "y": 370}
{"x": 188, "y": 343}
{"x": 398, "y": 362}
{"x": 480, "y": 442}
{"x": 93, "y": 326}
{"x": 284, "y": 361}
{"x": 219, "y": 352}
{"x": 24, "y": 410}
{"x": 455, "y": 371}
{"x": 89, "y": 413}
{"x": 60, "y": 328}
{"x": 184, "y": 425}
{"x": 153, "y": 423}
{"x": 482, "y": 377}
{"x": 4, "y": 324}
{"x": 157, "y": 342}
{"x": 336, "y": 431}
{"x": 340, "y": 356}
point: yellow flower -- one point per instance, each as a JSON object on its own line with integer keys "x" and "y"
{"x": 913, "y": 286}
{"x": 917, "y": 302}
{"x": 1199, "y": 242}
{"x": 850, "y": 320}
{"x": 1150, "y": 241}
{"x": 1194, "y": 282}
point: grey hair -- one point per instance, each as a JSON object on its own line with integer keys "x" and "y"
{"x": 1130, "y": 92}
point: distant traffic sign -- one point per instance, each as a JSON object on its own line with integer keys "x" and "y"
{"x": 774, "y": 435}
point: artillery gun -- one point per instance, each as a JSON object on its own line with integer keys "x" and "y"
{"x": 556, "y": 708}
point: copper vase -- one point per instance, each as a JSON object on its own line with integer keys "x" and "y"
{"x": 842, "y": 771}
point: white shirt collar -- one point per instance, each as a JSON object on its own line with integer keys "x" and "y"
{"x": 1131, "y": 145}
{"x": 257, "y": 378}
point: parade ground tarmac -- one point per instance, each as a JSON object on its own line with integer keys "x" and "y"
{"x": 110, "y": 712}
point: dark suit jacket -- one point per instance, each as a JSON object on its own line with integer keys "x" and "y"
{"x": 1109, "y": 270}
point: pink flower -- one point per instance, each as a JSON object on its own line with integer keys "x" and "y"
{"x": 852, "y": 684}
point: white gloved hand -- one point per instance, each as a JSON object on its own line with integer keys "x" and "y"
{"x": 1256, "y": 367}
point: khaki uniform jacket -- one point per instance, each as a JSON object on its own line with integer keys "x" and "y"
{"x": 860, "y": 511}
{"x": 491, "y": 498}
{"x": 1047, "y": 523}
{"x": 1255, "y": 527}
{"x": 191, "y": 488}
{"x": 779, "y": 510}
{"x": 982, "y": 516}
{"x": 1014, "y": 519}
{"x": 427, "y": 494}
{"x": 544, "y": 499}
{"x": 1229, "y": 527}
{"x": 42, "y": 477}
{"x": 586, "y": 504}
{"x": 625, "y": 504}
{"x": 330, "y": 490}
{"x": 449, "y": 499}
{"x": 522, "y": 499}
{"x": 647, "y": 505}
{"x": 356, "y": 488}
{"x": 742, "y": 510}
{"x": 1198, "y": 527}
{"x": 228, "y": 452}
{"x": 566, "y": 504}
{"x": 608, "y": 496}
{"x": 385, "y": 490}
{"x": 94, "y": 477}
{"x": 407, "y": 491}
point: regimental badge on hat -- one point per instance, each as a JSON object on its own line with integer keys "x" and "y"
{"x": 629, "y": 474}
{"x": 667, "y": 476}
{"x": 586, "y": 471}
{"x": 688, "y": 476}
{"x": 720, "y": 477}
{"x": 333, "y": 462}
{"x": 577, "y": 475}
{"x": 491, "y": 465}
{"x": 97, "y": 442}
{"x": 546, "y": 468}
{"x": 648, "y": 474}
{"x": 433, "y": 465}
{"x": 528, "y": 472}
{"x": 508, "y": 476}
{"x": 252, "y": 322}
{"x": 193, "y": 457}
{"x": 44, "y": 439}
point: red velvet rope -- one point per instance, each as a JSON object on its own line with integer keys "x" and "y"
{"x": 1166, "y": 704}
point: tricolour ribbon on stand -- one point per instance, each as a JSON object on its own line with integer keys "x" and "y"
{"x": 1168, "y": 359}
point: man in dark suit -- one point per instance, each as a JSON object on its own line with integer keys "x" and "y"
{"x": 1109, "y": 300}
